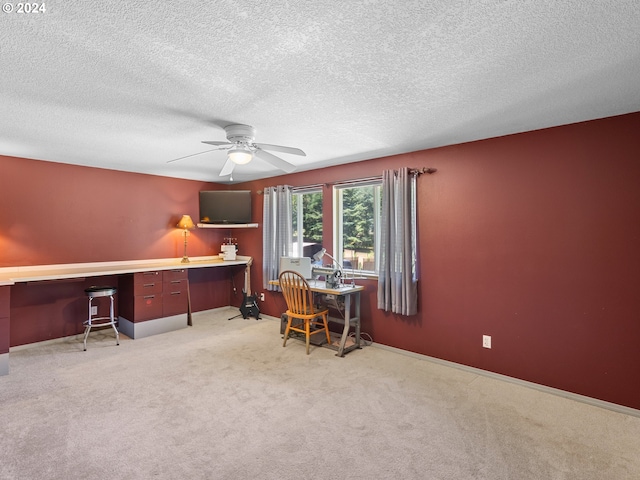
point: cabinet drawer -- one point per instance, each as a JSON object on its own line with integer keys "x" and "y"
{"x": 146, "y": 277}
{"x": 147, "y": 283}
{"x": 175, "y": 274}
{"x": 147, "y": 288}
{"x": 174, "y": 303}
{"x": 147, "y": 307}
{"x": 175, "y": 285}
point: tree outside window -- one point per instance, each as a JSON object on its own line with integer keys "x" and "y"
{"x": 307, "y": 222}
{"x": 358, "y": 217}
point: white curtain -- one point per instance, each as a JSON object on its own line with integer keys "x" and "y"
{"x": 398, "y": 267}
{"x": 277, "y": 232}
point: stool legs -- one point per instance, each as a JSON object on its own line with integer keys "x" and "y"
{"x": 89, "y": 323}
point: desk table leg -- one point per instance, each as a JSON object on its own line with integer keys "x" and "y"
{"x": 345, "y": 331}
{"x": 189, "y": 318}
{"x": 357, "y": 309}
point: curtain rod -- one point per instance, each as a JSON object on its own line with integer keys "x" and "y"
{"x": 420, "y": 171}
{"x": 300, "y": 188}
{"x": 412, "y": 171}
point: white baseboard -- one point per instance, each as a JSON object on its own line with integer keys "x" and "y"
{"x": 180, "y": 322}
{"x": 4, "y": 364}
{"x": 156, "y": 326}
{"x": 77, "y": 336}
{"x": 542, "y": 388}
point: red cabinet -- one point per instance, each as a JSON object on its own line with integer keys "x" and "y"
{"x": 147, "y": 296}
{"x": 174, "y": 292}
{"x": 152, "y": 295}
{"x": 4, "y": 322}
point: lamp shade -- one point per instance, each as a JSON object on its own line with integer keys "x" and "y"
{"x": 186, "y": 223}
{"x": 319, "y": 254}
{"x": 240, "y": 155}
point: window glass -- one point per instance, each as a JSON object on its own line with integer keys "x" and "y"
{"x": 307, "y": 222}
{"x": 357, "y": 225}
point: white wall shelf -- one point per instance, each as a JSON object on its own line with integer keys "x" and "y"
{"x": 227, "y": 225}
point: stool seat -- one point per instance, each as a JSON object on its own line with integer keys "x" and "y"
{"x": 96, "y": 291}
{"x": 95, "y": 321}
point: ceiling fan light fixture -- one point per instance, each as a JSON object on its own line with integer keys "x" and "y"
{"x": 240, "y": 155}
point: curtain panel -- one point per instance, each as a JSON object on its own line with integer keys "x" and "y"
{"x": 398, "y": 268}
{"x": 277, "y": 232}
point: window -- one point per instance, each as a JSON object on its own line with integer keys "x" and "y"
{"x": 307, "y": 221}
{"x": 357, "y": 225}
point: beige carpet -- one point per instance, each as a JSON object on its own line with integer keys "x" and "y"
{"x": 224, "y": 400}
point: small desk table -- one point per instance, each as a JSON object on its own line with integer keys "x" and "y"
{"x": 346, "y": 291}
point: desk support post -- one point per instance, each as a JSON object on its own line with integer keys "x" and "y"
{"x": 347, "y": 323}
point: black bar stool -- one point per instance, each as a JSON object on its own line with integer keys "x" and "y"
{"x": 94, "y": 322}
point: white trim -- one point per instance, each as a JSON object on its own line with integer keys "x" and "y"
{"x": 4, "y": 364}
{"x": 78, "y": 336}
{"x": 155, "y": 326}
{"x": 227, "y": 225}
{"x": 178, "y": 319}
{"x": 307, "y": 189}
{"x": 26, "y": 346}
{"x": 542, "y": 388}
{"x": 358, "y": 182}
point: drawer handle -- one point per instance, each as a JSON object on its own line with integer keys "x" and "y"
{"x": 176, "y": 281}
{"x": 150, "y": 273}
{"x": 180, "y": 270}
{"x": 149, "y": 285}
{"x": 176, "y": 293}
{"x": 149, "y": 296}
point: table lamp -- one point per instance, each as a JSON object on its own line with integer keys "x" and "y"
{"x": 186, "y": 224}
{"x": 335, "y": 280}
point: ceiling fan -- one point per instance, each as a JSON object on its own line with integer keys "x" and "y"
{"x": 241, "y": 149}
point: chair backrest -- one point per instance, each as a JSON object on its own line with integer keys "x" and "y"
{"x": 296, "y": 292}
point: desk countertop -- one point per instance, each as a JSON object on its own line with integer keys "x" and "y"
{"x": 36, "y": 273}
{"x": 320, "y": 286}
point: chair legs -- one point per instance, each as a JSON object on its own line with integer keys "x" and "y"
{"x": 304, "y": 326}
{"x": 286, "y": 330}
{"x": 326, "y": 328}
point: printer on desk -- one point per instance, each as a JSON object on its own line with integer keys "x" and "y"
{"x": 301, "y": 265}
{"x": 229, "y": 249}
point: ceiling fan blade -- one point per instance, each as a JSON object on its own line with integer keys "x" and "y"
{"x": 222, "y": 144}
{"x": 192, "y": 155}
{"x": 280, "y": 148}
{"x": 227, "y": 168}
{"x": 275, "y": 161}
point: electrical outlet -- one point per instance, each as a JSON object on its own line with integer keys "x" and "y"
{"x": 486, "y": 341}
{"x": 262, "y": 297}
{"x": 94, "y": 309}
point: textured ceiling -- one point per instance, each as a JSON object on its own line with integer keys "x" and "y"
{"x": 131, "y": 85}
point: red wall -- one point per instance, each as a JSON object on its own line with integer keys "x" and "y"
{"x": 533, "y": 239}
{"x": 530, "y": 238}
{"x": 56, "y": 213}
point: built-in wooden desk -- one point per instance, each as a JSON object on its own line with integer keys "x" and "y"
{"x": 172, "y": 266}
{"x": 37, "y": 273}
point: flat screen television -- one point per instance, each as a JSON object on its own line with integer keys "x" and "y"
{"x": 225, "y": 207}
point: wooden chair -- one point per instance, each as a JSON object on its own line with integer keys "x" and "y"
{"x": 301, "y": 313}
